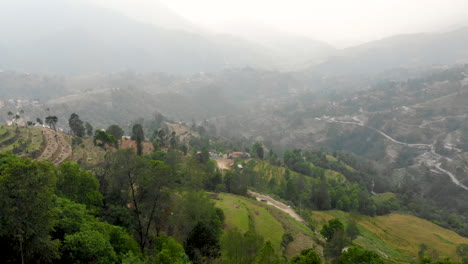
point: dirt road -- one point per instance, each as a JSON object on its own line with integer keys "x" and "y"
{"x": 430, "y": 147}
{"x": 277, "y": 204}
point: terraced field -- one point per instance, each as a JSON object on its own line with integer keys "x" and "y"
{"x": 37, "y": 143}
{"x": 26, "y": 142}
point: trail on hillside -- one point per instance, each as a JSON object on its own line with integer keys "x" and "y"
{"x": 57, "y": 149}
{"x": 281, "y": 206}
{"x": 431, "y": 147}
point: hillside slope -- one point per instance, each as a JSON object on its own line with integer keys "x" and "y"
{"x": 398, "y": 237}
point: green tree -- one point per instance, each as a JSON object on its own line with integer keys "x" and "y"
{"x": 88, "y": 247}
{"x": 130, "y": 258}
{"x": 141, "y": 185}
{"x": 333, "y": 226}
{"x": 352, "y": 229}
{"x": 462, "y": 252}
{"x": 51, "y": 121}
{"x": 89, "y": 129}
{"x": 115, "y": 131}
{"x": 76, "y": 125}
{"x": 235, "y": 182}
{"x": 197, "y": 207}
{"x": 173, "y": 140}
{"x": 204, "y": 155}
{"x": 241, "y": 248}
{"x": 307, "y": 256}
{"x": 170, "y": 252}
{"x": 357, "y": 255}
{"x": 39, "y": 121}
{"x": 321, "y": 196}
{"x": 72, "y": 218}
{"x": 161, "y": 137}
{"x": 139, "y": 136}
{"x": 267, "y": 255}
{"x": 101, "y": 139}
{"x": 202, "y": 244}
{"x": 335, "y": 245}
{"x": 26, "y": 199}
{"x": 257, "y": 148}
{"x": 78, "y": 185}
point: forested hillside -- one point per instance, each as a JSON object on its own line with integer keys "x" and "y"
{"x": 174, "y": 204}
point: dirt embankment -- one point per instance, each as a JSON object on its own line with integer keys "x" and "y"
{"x": 225, "y": 164}
{"x": 57, "y": 149}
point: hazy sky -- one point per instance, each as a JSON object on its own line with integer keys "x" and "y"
{"x": 339, "y": 22}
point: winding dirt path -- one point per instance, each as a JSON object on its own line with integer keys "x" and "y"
{"x": 277, "y": 204}
{"x": 452, "y": 177}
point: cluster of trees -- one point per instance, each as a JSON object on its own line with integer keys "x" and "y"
{"x": 68, "y": 215}
{"x": 129, "y": 209}
{"x": 48, "y": 215}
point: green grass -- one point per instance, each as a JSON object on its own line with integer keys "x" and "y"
{"x": 268, "y": 222}
{"x": 237, "y": 210}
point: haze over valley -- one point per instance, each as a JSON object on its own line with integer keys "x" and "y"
{"x": 183, "y": 132}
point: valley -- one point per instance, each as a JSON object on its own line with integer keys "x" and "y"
{"x": 233, "y": 132}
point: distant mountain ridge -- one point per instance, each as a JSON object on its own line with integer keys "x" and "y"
{"x": 74, "y": 37}
{"x": 401, "y": 51}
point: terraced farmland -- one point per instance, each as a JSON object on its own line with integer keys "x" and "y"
{"x": 26, "y": 142}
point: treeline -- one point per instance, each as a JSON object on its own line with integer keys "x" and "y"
{"x": 305, "y": 182}
{"x": 127, "y": 209}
